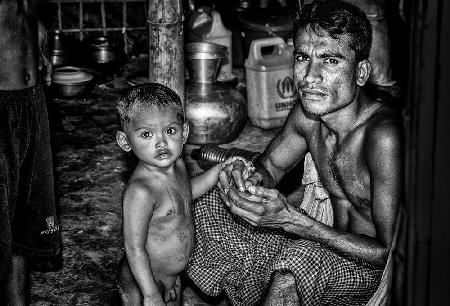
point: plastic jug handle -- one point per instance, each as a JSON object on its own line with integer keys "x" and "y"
{"x": 257, "y": 44}
{"x": 217, "y": 25}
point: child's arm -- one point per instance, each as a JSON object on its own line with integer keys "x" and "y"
{"x": 202, "y": 183}
{"x": 138, "y": 206}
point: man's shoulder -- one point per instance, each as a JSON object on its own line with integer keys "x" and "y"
{"x": 383, "y": 128}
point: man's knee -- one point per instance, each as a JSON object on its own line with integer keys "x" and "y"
{"x": 129, "y": 291}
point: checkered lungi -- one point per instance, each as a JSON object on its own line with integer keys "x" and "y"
{"x": 232, "y": 255}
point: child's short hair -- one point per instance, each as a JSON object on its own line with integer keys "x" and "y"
{"x": 142, "y": 97}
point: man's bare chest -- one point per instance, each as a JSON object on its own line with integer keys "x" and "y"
{"x": 342, "y": 169}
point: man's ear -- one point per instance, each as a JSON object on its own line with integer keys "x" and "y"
{"x": 122, "y": 141}
{"x": 363, "y": 72}
{"x": 185, "y": 132}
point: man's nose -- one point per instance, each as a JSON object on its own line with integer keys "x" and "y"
{"x": 313, "y": 73}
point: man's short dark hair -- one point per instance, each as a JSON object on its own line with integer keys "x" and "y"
{"x": 143, "y": 97}
{"x": 336, "y": 17}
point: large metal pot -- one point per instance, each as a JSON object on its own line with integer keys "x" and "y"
{"x": 70, "y": 82}
{"x": 216, "y": 113}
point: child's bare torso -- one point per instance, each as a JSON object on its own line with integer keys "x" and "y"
{"x": 171, "y": 229}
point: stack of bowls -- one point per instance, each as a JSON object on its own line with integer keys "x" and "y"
{"x": 70, "y": 81}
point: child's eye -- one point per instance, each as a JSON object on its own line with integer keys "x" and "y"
{"x": 171, "y": 130}
{"x": 146, "y": 134}
{"x": 331, "y": 61}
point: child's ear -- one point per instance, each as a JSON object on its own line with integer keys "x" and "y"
{"x": 122, "y": 141}
{"x": 185, "y": 132}
{"x": 363, "y": 71}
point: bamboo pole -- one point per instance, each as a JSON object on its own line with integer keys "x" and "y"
{"x": 166, "y": 44}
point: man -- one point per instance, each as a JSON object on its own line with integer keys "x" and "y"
{"x": 28, "y": 222}
{"x": 355, "y": 144}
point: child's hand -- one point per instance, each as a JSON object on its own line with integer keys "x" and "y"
{"x": 171, "y": 295}
{"x": 234, "y": 172}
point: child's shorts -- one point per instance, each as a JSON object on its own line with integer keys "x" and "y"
{"x": 28, "y": 220}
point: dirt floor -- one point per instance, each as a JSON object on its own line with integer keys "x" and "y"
{"x": 90, "y": 170}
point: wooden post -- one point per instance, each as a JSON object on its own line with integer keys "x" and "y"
{"x": 166, "y": 44}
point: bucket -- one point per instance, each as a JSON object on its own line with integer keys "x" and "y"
{"x": 271, "y": 90}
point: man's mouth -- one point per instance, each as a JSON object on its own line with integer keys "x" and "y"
{"x": 310, "y": 94}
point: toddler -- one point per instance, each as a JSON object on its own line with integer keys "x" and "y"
{"x": 158, "y": 226}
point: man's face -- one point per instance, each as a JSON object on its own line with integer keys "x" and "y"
{"x": 325, "y": 70}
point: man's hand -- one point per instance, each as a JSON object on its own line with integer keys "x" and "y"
{"x": 261, "y": 206}
{"x": 44, "y": 61}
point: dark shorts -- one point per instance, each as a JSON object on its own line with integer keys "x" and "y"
{"x": 28, "y": 220}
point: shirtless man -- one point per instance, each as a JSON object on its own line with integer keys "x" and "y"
{"x": 355, "y": 143}
{"x": 28, "y": 221}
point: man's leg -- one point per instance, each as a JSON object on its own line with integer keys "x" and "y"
{"x": 16, "y": 293}
{"x": 282, "y": 291}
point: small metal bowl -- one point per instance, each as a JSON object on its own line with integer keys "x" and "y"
{"x": 70, "y": 82}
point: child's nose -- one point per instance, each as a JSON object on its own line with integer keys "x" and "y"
{"x": 161, "y": 143}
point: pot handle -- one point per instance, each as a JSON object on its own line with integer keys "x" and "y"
{"x": 257, "y": 44}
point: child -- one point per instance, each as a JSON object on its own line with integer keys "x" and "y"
{"x": 158, "y": 226}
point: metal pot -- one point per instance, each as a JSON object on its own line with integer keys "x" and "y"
{"x": 60, "y": 50}
{"x": 102, "y": 50}
{"x": 70, "y": 82}
{"x": 216, "y": 113}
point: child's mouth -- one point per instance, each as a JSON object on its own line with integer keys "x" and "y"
{"x": 163, "y": 155}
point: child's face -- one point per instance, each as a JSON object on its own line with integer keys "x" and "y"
{"x": 155, "y": 136}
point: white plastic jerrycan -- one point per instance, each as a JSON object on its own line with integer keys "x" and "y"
{"x": 271, "y": 90}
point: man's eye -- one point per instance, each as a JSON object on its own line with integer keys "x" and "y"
{"x": 301, "y": 58}
{"x": 331, "y": 61}
{"x": 171, "y": 131}
{"x": 146, "y": 134}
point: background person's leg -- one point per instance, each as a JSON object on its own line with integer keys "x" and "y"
{"x": 17, "y": 283}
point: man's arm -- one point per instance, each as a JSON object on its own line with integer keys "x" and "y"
{"x": 384, "y": 160}
{"x": 138, "y": 206}
{"x": 285, "y": 150}
{"x": 44, "y": 61}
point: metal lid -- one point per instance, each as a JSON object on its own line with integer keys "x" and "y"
{"x": 71, "y": 75}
